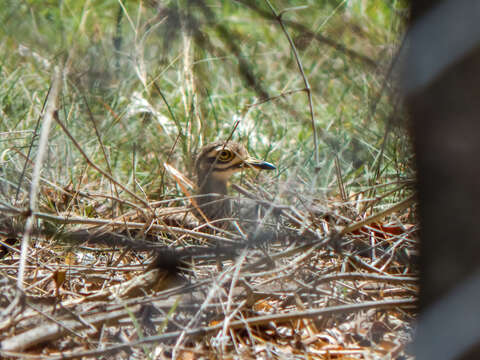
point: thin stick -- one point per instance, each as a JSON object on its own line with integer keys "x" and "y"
{"x": 100, "y": 142}
{"x": 241, "y": 324}
{"x": 302, "y": 72}
{"x": 395, "y": 208}
{"x": 131, "y": 225}
{"x": 49, "y": 115}
{"x": 27, "y": 157}
{"x": 95, "y": 166}
{"x": 300, "y": 28}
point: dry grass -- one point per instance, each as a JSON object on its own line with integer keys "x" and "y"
{"x": 330, "y": 275}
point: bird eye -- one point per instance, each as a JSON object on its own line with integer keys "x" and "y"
{"x": 225, "y": 155}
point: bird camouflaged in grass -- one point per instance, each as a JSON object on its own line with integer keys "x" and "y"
{"x": 214, "y": 166}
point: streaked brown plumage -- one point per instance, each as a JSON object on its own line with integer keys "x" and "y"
{"x": 214, "y": 166}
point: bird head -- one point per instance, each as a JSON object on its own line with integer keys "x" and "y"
{"x": 220, "y": 160}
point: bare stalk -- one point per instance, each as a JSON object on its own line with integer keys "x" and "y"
{"x": 307, "y": 89}
{"x": 48, "y": 118}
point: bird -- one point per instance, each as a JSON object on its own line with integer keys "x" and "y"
{"x": 215, "y": 164}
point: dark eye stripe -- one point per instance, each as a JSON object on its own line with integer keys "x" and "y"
{"x": 234, "y": 166}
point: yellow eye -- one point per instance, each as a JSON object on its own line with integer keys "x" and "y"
{"x": 225, "y": 155}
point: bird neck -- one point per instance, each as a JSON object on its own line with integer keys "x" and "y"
{"x": 213, "y": 206}
{"x": 212, "y": 185}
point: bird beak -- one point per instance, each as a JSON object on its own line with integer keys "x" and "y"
{"x": 259, "y": 164}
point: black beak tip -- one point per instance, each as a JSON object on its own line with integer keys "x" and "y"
{"x": 267, "y": 166}
{"x": 263, "y": 165}
{"x": 258, "y": 164}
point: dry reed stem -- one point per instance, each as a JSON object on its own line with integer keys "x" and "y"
{"x": 48, "y": 117}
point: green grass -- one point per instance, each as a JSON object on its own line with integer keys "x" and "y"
{"x": 149, "y": 82}
{"x": 209, "y": 71}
